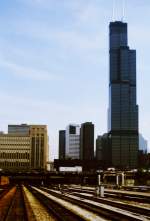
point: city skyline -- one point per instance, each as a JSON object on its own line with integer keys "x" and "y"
{"x": 54, "y": 63}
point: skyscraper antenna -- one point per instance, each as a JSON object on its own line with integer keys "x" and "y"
{"x": 114, "y": 10}
{"x": 118, "y": 10}
{"x": 123, "y": 10}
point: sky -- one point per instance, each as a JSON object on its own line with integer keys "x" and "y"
{"x": 54, "y": 62}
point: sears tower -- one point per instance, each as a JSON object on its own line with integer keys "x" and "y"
{"x": 123, "y": 109}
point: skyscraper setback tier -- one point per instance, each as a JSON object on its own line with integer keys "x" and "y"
{"x": 123, "y": 109}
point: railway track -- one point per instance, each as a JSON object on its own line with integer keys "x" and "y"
{"x": 16, "y": 210}
{"x": 61, "y": 212}
{"x": 132, "y": 208}
{"x": 4, "y": 191}
{"x": 12, "y": 205}
{"x": 5, "y": 202}
{"x": 103, "y": 211}
{"x": 118, "y": 195}
{"x": 16, "y": 204}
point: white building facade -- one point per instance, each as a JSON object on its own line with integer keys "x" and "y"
{"x": 72, "y": 149}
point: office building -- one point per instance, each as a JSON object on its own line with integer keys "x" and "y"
{"x": 39, "y": 146}
{"x": 103, "y": 150}
{"x": 62, "y": 144}
{"x": 87, "y": 141}
{"x": 22, "y": 129}
{"x": 24, "y": 147}
{"x": 99, "y": 148}
{"x": 123, "y": 109}
{"x": 72, "y": 142}
{"x": 15, "y": 152}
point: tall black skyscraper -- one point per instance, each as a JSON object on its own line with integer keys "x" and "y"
{"x": 62, "y": 144}
{"x": 123, "y": 109}
{"x": 87, "y": 141}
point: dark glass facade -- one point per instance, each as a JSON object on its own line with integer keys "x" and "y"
{"x": 99, "y": 148}
{"x": 123, "y": 109}
{"x": 62, "y": 143}
{"x": 103, "y": 150}
{"x": 72, "y": 129}
{"x": 87, "y": 141}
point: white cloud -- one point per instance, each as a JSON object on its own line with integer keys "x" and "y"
{"x": 66, "y": 38}
{"x": 27, "y": 72}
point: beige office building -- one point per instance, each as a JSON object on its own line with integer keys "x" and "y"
{"x": 15, "y": 152}
{"x": 39, "y": 146}
{"x": 24, "y": 148}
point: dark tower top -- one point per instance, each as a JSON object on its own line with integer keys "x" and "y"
{"x": 118, "y": 35}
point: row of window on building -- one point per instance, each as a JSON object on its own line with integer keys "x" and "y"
{"x": 15, "y": 155}
{"x": 13, "y": 164}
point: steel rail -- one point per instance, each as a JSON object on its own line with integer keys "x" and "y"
{"x": 114, "y": 215}
{"x": 132, "y": 208}
{"x": 17, "y": 207}
{"x": 119, "y": 195}
{"x": 59, "y": 212}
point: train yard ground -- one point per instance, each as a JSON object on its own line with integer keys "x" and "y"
{"x": 71, "y": 203}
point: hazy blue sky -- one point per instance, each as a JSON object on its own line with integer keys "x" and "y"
{"x": 54, "y": 62}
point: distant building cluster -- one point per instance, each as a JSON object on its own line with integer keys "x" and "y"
{"x": 120, "y": 146}
{"x": 24, "y": 148}
{"x": 77, "y": 142}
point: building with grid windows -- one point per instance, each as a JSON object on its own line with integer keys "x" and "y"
{"x": 24, "y": 147}
{"x": 72, "y": 142}
{"x": 123, "y": 109}
{"x": 15, "y": 152}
